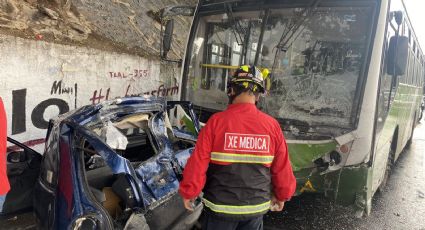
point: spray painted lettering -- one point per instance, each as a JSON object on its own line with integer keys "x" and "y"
{"x": 67, "y": 78}
{"x": 162, "y": 91}
{"x": 137, "y": 73}
{"x": 19, "y": 101}
{"x": 58, "y": 87}
{"x": 19, "y": 112}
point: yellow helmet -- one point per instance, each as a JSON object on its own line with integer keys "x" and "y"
{"x": 247, "y": 74}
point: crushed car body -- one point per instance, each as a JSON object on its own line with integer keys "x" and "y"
{"x": 115, "y": 165}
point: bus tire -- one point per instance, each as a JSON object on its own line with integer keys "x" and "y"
{"x": 390, "y": 162}
{"x": 409, "y": 142}
{"x": 388, "y": 168}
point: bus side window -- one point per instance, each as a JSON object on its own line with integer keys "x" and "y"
{"x": 385, "y": 83}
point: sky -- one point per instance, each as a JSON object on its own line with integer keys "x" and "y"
{"x": 416, "y": 11}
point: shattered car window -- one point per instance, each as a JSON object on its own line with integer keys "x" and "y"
{"x": 129, "y": 136}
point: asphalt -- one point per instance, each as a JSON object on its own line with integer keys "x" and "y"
{"x": 400, "y": 206}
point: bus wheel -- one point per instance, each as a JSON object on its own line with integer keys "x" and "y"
{"x": 409, "y": 142}
{"x": 387, "y": 171}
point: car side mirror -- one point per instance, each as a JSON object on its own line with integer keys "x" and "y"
{"x": 397, "y": 55}
{"x": 167, "y": 38}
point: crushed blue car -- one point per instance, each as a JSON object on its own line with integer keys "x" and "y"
{"x": 115, "y": 165}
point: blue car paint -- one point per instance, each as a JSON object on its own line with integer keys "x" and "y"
{"x": 152, "y": 180}
{"x": 72, "y": 199}
{"x": 159, "y": 178}
{"x": 183, "y": 155}
{"x": 158, "y": 173}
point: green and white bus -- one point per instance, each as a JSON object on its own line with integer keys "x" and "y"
{"x": 346, "y": 82}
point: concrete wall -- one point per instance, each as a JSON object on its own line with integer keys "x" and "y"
{"x": 57, "y": 55}
{"x": 39, "y": 80}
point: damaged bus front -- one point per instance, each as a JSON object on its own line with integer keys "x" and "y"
{"x": 324, "y": 58}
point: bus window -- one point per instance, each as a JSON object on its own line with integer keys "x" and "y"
{"x": 385, "y": 89}
{"x": 414, "y": 47}
{"x": 326, "y": 50}
{"x": 384, "y": 92}
{"x": 410, "y": 36}
{"x": 410, "y": 69}
{"x": 411, "y": 75}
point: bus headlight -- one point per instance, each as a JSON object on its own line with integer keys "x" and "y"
{"x": 336, "y": 159}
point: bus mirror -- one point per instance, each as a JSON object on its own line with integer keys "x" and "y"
{"x": 166, "y": 15}
{"x": 167, "y": 38}
{"x": 397, "y": 55}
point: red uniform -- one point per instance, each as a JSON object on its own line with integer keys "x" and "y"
{"x": 4, "y": 182}
{"x": 239, "y": 155}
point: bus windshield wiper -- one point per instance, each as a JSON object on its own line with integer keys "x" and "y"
{"x": 287, "y": 122}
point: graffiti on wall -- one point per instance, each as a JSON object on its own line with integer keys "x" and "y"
{"x": 161, "y": 91}
{"x": 37, "y": 86}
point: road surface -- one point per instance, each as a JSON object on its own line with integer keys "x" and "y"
{"x": 400, "y": 206}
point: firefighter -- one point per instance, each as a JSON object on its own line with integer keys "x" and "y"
{"x": 240, "y": 161}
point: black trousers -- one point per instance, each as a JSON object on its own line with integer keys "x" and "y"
{"x": 211, "y": 222}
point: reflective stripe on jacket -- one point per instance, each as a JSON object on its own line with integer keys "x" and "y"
{"x": 241, "y": 158}
{"x": 240, "y": 155}
{"x": 237, "y": 209}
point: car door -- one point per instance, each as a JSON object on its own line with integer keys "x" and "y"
{"x": 23, "y": 167}
{"x": 45, "y": 188}
{"x": 159, "y": 179}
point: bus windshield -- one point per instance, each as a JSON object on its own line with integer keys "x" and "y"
{"x": 316, "y": 57}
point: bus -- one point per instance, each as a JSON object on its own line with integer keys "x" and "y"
{"x": 346, "y": 80}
